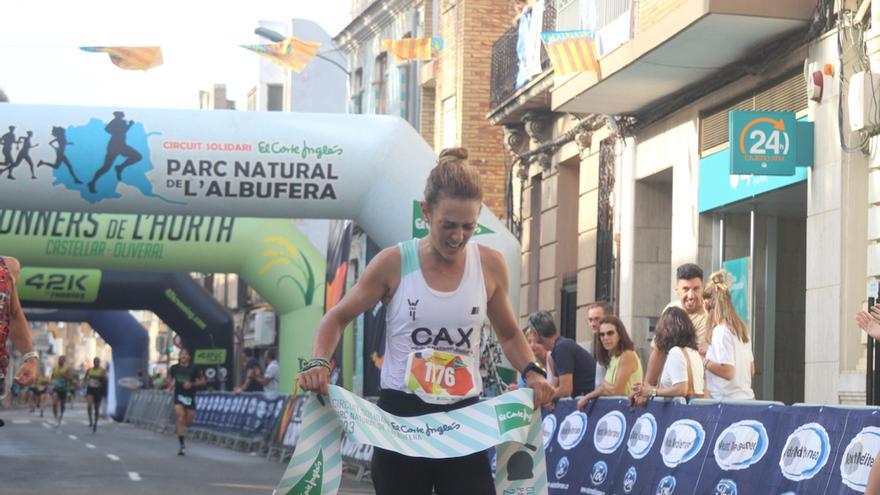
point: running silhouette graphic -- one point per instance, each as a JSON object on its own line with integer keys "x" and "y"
{"x": 7, "y": 141}
{"x": 24, "y": 155}
{"x": 117, "y": 128}
{"x": 59, "y": 144}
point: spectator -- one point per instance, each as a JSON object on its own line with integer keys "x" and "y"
{"x": 689, "y": 289}
{"x": 575, "y": 368}
{"x": 683, "y": 374}
{"x": 269, "y": 379}
{"x": 729, "y": 361}
{"x": 614, "y": 351}
{"x": 597, "y": 311}
{"x": 252, "y": 372}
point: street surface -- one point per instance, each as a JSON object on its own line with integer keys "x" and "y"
{"x": 36, "y": 458}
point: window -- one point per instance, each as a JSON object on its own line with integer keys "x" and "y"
{"x": 357, "y": 91}
{"x": 380, "y": 88}
{"x": 450, "y": 123}
{"x": 275, "y": 99}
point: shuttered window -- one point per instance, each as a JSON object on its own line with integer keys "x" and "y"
{"x": 789, "y": 95}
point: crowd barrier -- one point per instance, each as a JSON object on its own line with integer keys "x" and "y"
{"x": 246, "y": 421}
{"x": 709, "y": 447}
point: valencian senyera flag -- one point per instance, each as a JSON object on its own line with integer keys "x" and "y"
{"x": 130, "y": 57}
{"x": 292, "y": 53}
{"x": 408, "y": 49}
{"x": 508, "y": 422}
{"x": 571, "y": 51}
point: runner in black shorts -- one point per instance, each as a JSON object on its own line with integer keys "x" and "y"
{"x": 62, "y": 378}
{"x": 186, "y": 377}
{"x": 96, "y": 385}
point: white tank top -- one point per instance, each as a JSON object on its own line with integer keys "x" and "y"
{"x": 421, "y": 320}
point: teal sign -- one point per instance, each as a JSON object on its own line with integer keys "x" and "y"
{"x": 718, "y": 187}
{"x": 763, "y": 143}
{"x": 739, "y": 270}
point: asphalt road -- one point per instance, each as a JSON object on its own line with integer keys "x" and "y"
{"x": 38, "y": 458}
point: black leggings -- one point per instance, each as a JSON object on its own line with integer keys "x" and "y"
{"x": 397, "y": 474}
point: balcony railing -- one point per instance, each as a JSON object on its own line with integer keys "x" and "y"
{"x": 505, "y": 62}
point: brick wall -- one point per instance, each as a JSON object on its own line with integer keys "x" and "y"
{"x": 652, "y": 11}
{"x": 469, "y": 30}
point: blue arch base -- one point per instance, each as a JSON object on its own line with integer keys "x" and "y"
{"x": 125, "y": 335}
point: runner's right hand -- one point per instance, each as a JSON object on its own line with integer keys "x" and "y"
{"x": 315, "y": 380}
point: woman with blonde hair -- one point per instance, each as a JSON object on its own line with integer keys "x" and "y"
{"x": 616, "y": 353}
{"x": 729, "y": 361}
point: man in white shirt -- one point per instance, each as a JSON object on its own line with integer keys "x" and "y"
{"x": 269, "y": 379}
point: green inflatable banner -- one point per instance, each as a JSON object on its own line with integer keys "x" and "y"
{"x": 271, "y": 255}
{"x": 508, "y": 422}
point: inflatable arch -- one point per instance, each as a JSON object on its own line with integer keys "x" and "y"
{"x": 156, "y": 163}
{"x": 124, "y": 334}
{"x": 271, "y": 255}
{"x": 205, "y": 327}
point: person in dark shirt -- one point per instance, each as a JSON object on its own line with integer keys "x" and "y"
{"x": 575, "y": 367}
{"x": 185, "y": 377}
{"x": 253, "y": 373}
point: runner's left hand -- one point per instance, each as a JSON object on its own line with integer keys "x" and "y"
{"x": 543, "y": 391}
{"x": 27, "y": 373}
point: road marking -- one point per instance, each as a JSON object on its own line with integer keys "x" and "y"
{"x": 248, "y": 487}
{"x": 112, "y": 457}
{"x": 47, "y": 426}
{"x": 85, "y": 423}
{"x": 134, "y": 476}
{"x": 21, "y": 421}
{"x": 90, "y": 446}
{"x": 72, "y": 437}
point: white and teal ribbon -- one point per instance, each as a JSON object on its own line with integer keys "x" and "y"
{"x": 508, "y": 422}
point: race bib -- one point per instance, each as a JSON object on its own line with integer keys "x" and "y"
{"x": 60, "y": 383}
{"x": 186, "y": 401}
{"x": 93, "y": 383}
{"x": 440, "y": 377}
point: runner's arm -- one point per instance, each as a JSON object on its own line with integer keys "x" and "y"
{"x": 374, "y": 285}
{"x": 20, "y": 333}
{"x": 512, "y": 339}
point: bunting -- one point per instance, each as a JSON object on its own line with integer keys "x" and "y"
{"x": 130, "y": 57}
{"x": 408, "y": 49}
{"x": 571, "y": 51}
{"x": 292, "y": 53}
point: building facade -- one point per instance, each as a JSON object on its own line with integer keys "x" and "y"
{"x": 672, "y": 71}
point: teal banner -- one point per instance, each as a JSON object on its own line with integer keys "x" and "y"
{"x": 508, "y": 422}
{"x": 718, "y": 187}
{"x": 740, "y": 288}
{"x": 763, "y": 143}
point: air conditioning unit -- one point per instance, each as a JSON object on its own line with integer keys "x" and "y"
{"x": 264, "y": 328}
{"x": 863, "y": 100}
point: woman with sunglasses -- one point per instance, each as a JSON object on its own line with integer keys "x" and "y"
{"x": 616, "y": 353}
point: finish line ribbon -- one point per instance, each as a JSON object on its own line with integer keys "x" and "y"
{"x": 507, "y": 422}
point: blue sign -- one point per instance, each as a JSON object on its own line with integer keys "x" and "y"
{"x": 740, "y": 289}
{"x": 718, "y": 187}
{"x": 763, "y": 143}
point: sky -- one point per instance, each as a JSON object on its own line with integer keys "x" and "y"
{"x": 41, "y": 63}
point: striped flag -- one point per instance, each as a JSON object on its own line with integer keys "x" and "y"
{"x": 130, "y": 57}
{"x": 572, "y": 51}
{"x": 408, "y": 49}
{"x": 292, "y": 53}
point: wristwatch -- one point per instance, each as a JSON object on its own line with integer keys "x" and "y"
{"x": 536, "y": 367}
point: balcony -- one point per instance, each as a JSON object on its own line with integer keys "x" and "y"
{"x": 507, "y": 102}
{"x": 672, "y": 44}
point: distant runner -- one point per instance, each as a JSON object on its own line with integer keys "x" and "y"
{"x": 96, "y": 387}
{"x": 186, "y": 377}
{"x": 62, "y": 380}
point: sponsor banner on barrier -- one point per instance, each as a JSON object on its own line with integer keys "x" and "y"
{"x": 316, "y": 464}
{"x": 717, "y": 449}
{"x": 245, "y": 413}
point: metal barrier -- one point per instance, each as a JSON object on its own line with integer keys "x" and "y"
{"x": 151, "y": 409}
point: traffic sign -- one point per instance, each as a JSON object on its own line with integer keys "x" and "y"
{"x": 763, "y": 143}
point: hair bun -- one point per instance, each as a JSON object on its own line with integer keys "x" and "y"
{"x": 720, "y": 280}
{"x": 453, "y": 154}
